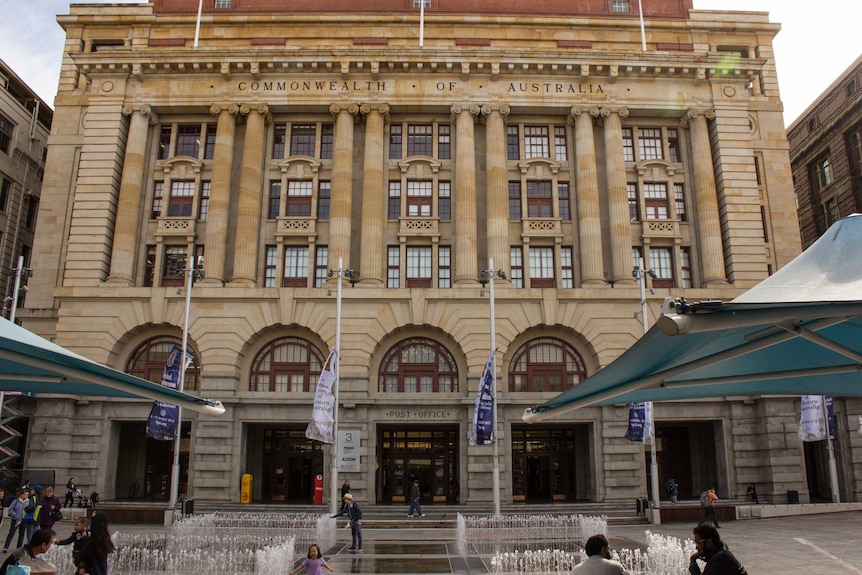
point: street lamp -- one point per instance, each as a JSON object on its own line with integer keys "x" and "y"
{"x": 191, "y": 274}
{"x": 487, "y": 277}
{"x": 639, "y": 273}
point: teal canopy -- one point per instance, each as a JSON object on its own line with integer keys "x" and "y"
{"x": 29, "y": 363}
{"x": 799, "y": 332}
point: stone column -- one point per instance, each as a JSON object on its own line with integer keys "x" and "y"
{"x": 128, "y": 222}
{"x": 706, "y": 196}
{"x": 340, "y": 221}
{"x": 466, "y": 256}
{"x": 217, "y": 216}
{"x": 497, "y": 185}
{"x": 618, "y": 200}
{"x": 248, "y": 222}
{"x": 373, "y": 200}
{"x": 589, "y": 216}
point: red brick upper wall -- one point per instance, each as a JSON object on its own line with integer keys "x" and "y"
{"x": 652, "y": 8}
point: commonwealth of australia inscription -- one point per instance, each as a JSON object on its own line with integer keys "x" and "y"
{"x": 366, "y": 86}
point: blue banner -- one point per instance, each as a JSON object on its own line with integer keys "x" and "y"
{"x": 162, "y": 422}
{"x": 637, "y": 421}
{"x": 482, "y": 432}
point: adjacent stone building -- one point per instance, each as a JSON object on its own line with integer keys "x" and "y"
{"x": 282, "y": 139}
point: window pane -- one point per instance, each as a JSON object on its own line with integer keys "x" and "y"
{"x": 302, "y": 138}
{"x": 536, "y": 142}
{"x": 444, "y": 201}
{"x": 628, "y": 145}
{"x": 420, "y": 140}
{"x": 444, "y": 267}
{"x": 394, "y": 205}
{"x": 395, "y": 142}
{"x": 560, "y": 152}
{"x": 326, "y": 139}
{"x": 278, "y": 137}
{"x": 295, "y": 266}
{"x": 514, "y": 201}
{"x": 323, "y": 200}
{"x": 649, "y": 144}
{"x": 274, "y": 199}
{"x": 513, "y": 151}
{"x": 393, "y": 267}
{"x": 444, "y": 143}
{"x": 516, "y": 263}
{"x": 188, "y": 140}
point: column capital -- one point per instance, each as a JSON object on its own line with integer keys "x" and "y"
{"x": 262, "y": 109}
{"x": 621, "y": 111}
{"x": 144, "y": 110}
{"x": 352, "y": 109}
{"x": 503, "y": 109}
{"x": 576, "y": 111}
{"x": 692, "y": 113}
{"x": 457, "y": 109}
{"x": 216, "y": 109}
{"x": 382, "y": 109}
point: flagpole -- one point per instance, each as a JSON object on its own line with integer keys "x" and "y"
{"x": 198, "y": 23}
{"x": 643, "y": 32}
{"x": 333, "y": 470}
{"x": 833, "y": 466}
{"x": 491, "y": 273}
{"x": 641, "y": 274}
{"x": 421, "y": 23}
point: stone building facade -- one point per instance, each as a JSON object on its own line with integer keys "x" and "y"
{"x": 542, "y": 137}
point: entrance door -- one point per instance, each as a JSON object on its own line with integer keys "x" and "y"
{"x": 551, "y": 463}
{"x": 290, "y": 462}
{"x": 686, "y": 451}
{"x": 429, "y": 455}
{"x": 144, "y": 465}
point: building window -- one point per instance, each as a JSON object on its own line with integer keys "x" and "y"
{"x": 812, "y": 124}
{"x": 516, "y": 266}
{"x": 634, "y": 202}
{"x": 287, "y": 364}
{"x": 561, "y": 153}
{"x": 188, "y": 140}
{"x": 302, "y": 138}
{"x": 7, "y": 130}
{"x": 395, "y": 141}
{"x": 149, "y": 266}
{"x": 173, "y": 271}
{"x": 444, "y": 141}
{"x": 279, "y": 133}
{"x": 327, "y": 137}
{"x": 148, "y": 361}
{"x": 832, "y": 212}
{"x": 393, "y": 267}
{"x": 222, "y": 3}
{"x": 418, "y": 365}
{"x": 541, "y": 267}
{"x": 679, "y": 202}
{"x": 515, "y": 201}
{"x": 563, "y": 198}
{"x": 421, "y": 3}
{"x": 567, "y": 274}
{"x": 299, "y": 198}
{"x": 418, "y": 267}
{"x": 628, "y": 145}
{"x": 649, "y": 144}
{"x": 158, "y": 192}
{"x": 820, "y": 173}
{"x": 685, "y": 268}
{"x": 513, "y": 142}
{"x": 444, "y": 267}
{"x": 444, "y": 201}
{"x": 209, "y": 147}
{"x": 164, "y": 143}
{"x": 536, "y": 143}
{"x": 673, "y": 146}
{"x": 394, "y": 204}
{"x": 182, "y": 198}
{"x": 32, "y": 210}
{"x": 661, "y": 262}
{"x": 5, "y": 190}
{"x": 656, "y": 201}
{"x": 270, "y": 266}
{"x": 419, "y": 195}
{"x": 321, "y": 266}
{"x": 274, "y": 199}
{"x": 420, "y": 141}
{"x": 539, "y": 199}
{"x": 204, "y": 207}
{"x": 545, "y": 364}
{"x": 620, "y": 6}
{"x": 324, "y": 191}
{"x": 295, "y": 267}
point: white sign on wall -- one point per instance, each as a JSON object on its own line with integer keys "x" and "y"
{"x": 348, "y": 449}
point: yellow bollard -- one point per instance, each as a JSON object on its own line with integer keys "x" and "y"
{"x": 245, "y": 490}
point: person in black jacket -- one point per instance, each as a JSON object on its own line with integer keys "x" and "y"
{"x": 710, "y": 548}
{"x": 78, "y": 538}
{"x": 354, "y": 514}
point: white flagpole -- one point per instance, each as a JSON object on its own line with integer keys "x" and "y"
{"x": 653, "y": 467}
{"x": 421, "y": 23}
{"x": 494, "y": 389}
{"x": 198, "y": 24}
{"x": 643, "y": 32}
{"x": 333, "y": 470}
{"x": 833, "y": 467}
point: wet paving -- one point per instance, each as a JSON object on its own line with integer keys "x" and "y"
{"x": 403, "y": 558}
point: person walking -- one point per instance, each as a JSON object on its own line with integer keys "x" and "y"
{"x": 34, "y": 509}
{"x": 707, "y": 500}
{"x": 51, "y": 507}
{"x": 70, "y": 493}
{"x": 93, "y": 558}
{"x": 415, "y": 494}
{"x": 710, "y": 548}
{"x": 17, "y": 510}
{"x": 354, "y": 515}
{"x": 598, "y": 561}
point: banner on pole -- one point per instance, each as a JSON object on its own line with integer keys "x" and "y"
{"x": 348, "y": 449}
{"x": 482, "y": 431}
{"x": 812, "y": 421}
{"x": 323, "y": 412}
{"x": 638, "y": 423}
{"x": 162, "y": 422}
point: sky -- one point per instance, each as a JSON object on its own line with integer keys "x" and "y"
{"x": 817, "y": 42}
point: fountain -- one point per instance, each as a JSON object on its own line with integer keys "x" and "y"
{"x": 497, "y": 534}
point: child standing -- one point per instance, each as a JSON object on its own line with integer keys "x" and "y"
{"x": 314, "y": 562}
{"x": 78, "y": 537}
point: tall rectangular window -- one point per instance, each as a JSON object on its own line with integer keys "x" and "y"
{"x": 539, "y": 199}
{"x": 536, "y": 143}
{"x": 634, "y": 205}
{"x": 649, "y": 144}
{"x": 679, "y": 201}
{"x": 685, "y": 267}
{"x": 295, "y": 266}
{"x": 270, "y": 266}
{"x": 418, "y": 267}
{"x": 32, "y": 210}
{"x": 164, "y": 143}
{"x": 327, "y": 137}
{"x": 394, "y": 204}
{"x": 513, "y": 149}
{"x": 516, "y": 266}
{"x": 561, "y": 153}
{"x": 209, "y": 147}
{"x": 420, "y": 140}
{"x": 673, "y": 145}
{"x": 302, "y": 138}
{"x": 661, "y": 262}
{"x": 419, "y": 195}
{"x": 620, "y": 6}
{"x": 299, "y": 194}
{"x": 279, "y": 133}
{"x": 7, "y": 130}
{"x": 395, "y": 141}
{"x": 628, "y": 145}
{"x": 324, "y": 198}
{"x": 563, "y": 198}
{"x": 188, "y": 140}
{"x": 444, "y": 142}
{"x": 204, "y": 204}
{"x": 444, "y": 201}
{"x": 567, "y": 270}
{"x": 820, "y": 173}
{"x": 541, "y": 267}
{"x": 655, "y": 199}
{"x": 321, "y": 266}
{"x": 393, "y": 267}
{"x": 444, "y": 267}
{"x": 182, "y": 198}
{"x": 515, "y": 201}
{"x": 158, "y": 193}
{"x": 5, "y": 190}
{"x": 173, "y": 272}
{"x": 274, "y": 199}
{"x": 149, "y": 267}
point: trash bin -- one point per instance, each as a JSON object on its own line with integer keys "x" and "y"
{"x": 642, "y": 504}
{"x": 189, "y": 507}
{"x": 793, "y": 498}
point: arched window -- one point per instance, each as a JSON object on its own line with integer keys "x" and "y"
{"x": 286, "y": 364}
{"x": 546, "y": 364}
{"x": 148, "y": 362}
{"x": 418, "y": 364}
